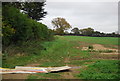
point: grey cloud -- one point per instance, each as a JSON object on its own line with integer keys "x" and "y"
{"x": 99, "y": 15}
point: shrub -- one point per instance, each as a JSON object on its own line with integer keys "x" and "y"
{"x": 90, "y": 47}
{"x": 18, "y": 28}
{"x": 25, "y": 28}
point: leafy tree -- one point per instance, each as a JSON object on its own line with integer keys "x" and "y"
{"x": 19, "y": 22}
{"x": 61, "y": 25}
{"x": 34, "y": 10}
{"x": 87, "y": 31}
{"x": 7, "y": 33}
{"x": 97, "y": 34}
{"x": 75, "y": 31}
{"x": 18, "y": 30}
{"x": 25, "y": 28}
{"x": 66, "y": 32}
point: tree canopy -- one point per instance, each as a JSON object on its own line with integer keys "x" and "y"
{"x": 34, "y": 10}
{"x": 87, "y": 31}
{"x": 60, "y": 24}
{"x": 75, "y": 31}
{"x": 18, "y": 28}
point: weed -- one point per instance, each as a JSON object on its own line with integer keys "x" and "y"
{"x": 90, "y": 47}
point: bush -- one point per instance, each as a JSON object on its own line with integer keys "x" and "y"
{"x": 25, "y": 28}
{"x": 90, "y": 47}
{"x": 18, "y": 29}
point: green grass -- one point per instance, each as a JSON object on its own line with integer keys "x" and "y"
{"x": 103, "y": 69}
{"x": 13, "y": 61}
{"x": 62, "y": 51}
{"x": 98, "y": 40}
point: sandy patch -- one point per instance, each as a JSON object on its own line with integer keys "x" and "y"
{"x": 114, "y": 53}
{"x": 98, "y": 48}
{"x": 101, "y": 47}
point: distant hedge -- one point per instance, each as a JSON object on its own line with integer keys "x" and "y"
{"x": 17, "y": 27}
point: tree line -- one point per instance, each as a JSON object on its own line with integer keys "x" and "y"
{"x": 61, "y": 26}
{"x": 91, "y": 32}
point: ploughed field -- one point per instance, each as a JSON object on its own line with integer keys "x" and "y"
{"x": 90, "y": 57}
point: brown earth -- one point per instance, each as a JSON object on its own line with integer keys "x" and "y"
{"x": 101, "y": 47}
{"x": 82, "y": 45}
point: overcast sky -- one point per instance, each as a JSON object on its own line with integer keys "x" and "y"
{"x": 102, "y": 16}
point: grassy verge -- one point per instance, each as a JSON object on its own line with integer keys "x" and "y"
{"x": 21, "y": 54}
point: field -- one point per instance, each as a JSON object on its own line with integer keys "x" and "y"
{"x": 68, "y": 50}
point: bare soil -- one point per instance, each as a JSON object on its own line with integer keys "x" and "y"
{"x": 101, "y": 47}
